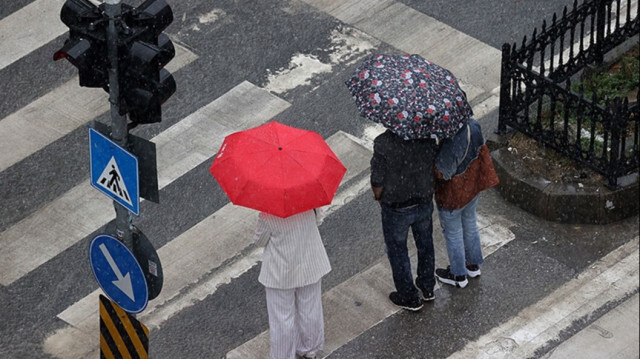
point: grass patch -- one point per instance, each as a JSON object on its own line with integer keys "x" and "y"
{"x": 619, "y": 79}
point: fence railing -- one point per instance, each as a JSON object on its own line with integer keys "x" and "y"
{"x": 536, "y": 97}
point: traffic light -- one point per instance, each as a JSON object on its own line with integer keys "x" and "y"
{"x": 143, "y": 51}
{"x": 144, "y": 83}
{"x": 86, "y": 47}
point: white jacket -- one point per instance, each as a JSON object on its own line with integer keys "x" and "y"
{"x": 294, "y": 255}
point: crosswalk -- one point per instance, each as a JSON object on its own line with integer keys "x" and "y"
{"x": 218, "y": 249}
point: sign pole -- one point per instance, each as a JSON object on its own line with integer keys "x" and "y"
{"x": 119, "y": 131}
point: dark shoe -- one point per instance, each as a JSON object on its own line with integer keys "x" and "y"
{"x": 427, "y": 295}
{"x": 473, "y": 270}
{"x": 445, "y": 276}
{"x": 408, "y": 304}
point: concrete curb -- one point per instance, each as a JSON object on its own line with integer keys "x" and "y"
{"x": 561, "y": 202}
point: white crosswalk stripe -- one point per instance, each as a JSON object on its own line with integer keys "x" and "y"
{"x": 611, "y": 279}
{"x": 475, "y": 64}
{"x": 19, "y": 40}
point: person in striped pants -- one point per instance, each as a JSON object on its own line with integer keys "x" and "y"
{"x": 293, "y": 264}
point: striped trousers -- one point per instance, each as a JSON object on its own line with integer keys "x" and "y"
{"x": 296, "y": 322}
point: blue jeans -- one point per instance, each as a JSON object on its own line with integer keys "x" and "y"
{"x": 460, "y": 230}
{"x": 395, "y": 226}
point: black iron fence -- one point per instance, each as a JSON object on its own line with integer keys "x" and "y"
{"x": 537, "y": 99}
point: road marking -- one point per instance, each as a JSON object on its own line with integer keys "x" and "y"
{"x": 59, "y": 112}
{"x": 610, "y": 279}
{"x": 360, "y": 302}
{"x": 614, "y": 335}
{"x": 348, "y": 45}
{"x": 474, "y": 63}
{"x": 18, "y": 40}
{"x": 196, "y": 263}
{"x": 82, "y": 210}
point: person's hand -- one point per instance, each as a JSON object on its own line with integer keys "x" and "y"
{"x": 377, "y": 193}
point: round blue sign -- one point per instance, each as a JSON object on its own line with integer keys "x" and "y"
{"x": 118, "y": 273}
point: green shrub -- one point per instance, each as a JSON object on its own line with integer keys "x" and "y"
{"x": 618, "y": 80}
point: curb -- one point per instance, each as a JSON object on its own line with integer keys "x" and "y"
{"x": 563, "y": 202}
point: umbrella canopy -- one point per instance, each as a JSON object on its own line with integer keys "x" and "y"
{"x": 277, "y": 169}
{"x": 409, "y": 95}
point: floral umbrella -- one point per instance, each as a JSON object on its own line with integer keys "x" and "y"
{"x": 409, "y": 95}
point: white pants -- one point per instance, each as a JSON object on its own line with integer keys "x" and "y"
{"x": 296, "y": 323}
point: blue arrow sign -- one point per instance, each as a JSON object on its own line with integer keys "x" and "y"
{"x": 118, "y": 273}
{"x": 114, "y": 171}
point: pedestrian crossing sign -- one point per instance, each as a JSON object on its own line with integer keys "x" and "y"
{"x": 114, "y": 171}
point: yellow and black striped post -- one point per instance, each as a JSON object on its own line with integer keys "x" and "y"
{"x": 121, "y": 335}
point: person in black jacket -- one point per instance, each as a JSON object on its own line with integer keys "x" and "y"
{"x": 402, "y": 182}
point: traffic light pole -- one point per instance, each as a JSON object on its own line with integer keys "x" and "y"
{"x": 119, "y": 131}
{"x": 103, "y": 38}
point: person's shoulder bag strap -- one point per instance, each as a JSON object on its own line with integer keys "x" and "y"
{"x": 468, "y": 143}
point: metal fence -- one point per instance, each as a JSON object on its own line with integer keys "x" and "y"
{"x": 537, "y": 99}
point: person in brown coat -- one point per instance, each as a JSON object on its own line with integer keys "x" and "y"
{"x": 463, "y": 168}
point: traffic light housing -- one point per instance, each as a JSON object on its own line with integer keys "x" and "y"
{"x": 86, "y": 47}
{"x": 143, "y": 51}
{"x": 144, "y": 83}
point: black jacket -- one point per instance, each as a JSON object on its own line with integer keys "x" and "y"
{"x": 404, "y": 169}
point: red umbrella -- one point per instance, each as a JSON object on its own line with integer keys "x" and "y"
{"x": 277, "y": 169}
